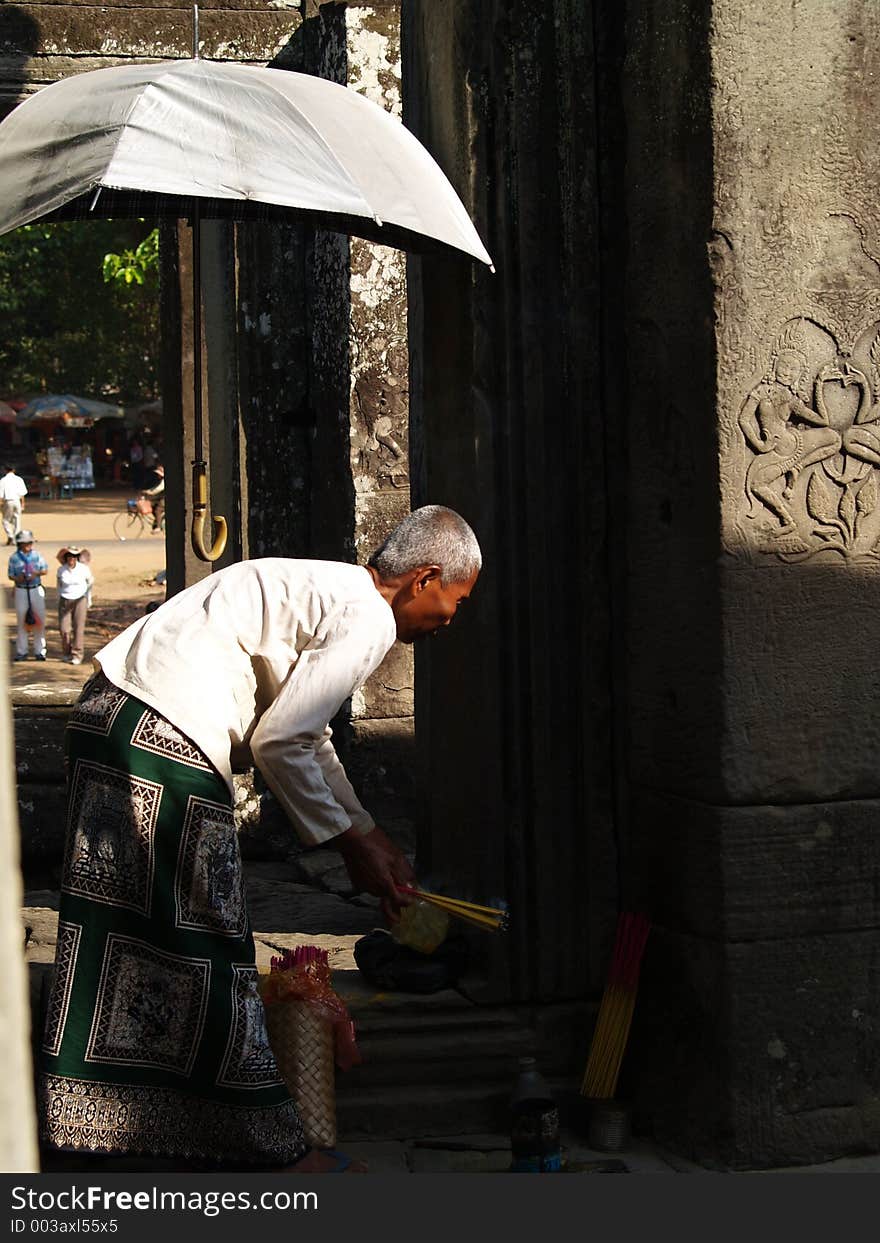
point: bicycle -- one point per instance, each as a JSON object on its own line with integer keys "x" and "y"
{"x": 134, "y": 520}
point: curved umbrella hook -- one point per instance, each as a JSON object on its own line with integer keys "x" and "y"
{"x": 200, "y": 506}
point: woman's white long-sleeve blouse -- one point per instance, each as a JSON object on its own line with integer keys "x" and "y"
{"x": 74, "y": 582}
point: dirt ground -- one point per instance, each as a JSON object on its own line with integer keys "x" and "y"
{"x": 123, "y": 578}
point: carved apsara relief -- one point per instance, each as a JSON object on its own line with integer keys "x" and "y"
{"x": 812, "y": 430}
{"x": 795, "y": 261}
{"x": 806, "y": 436}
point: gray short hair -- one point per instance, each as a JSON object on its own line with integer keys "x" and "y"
{"x": 432, "y": 535}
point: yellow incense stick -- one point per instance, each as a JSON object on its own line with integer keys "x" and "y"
{"x": 463, "y": 911}
{"x": 488, "y": 917}
{"x": 469, "y": 906}
{"x": 470, "y": 917}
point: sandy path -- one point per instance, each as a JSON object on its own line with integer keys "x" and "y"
{"x": 121, "y": 570}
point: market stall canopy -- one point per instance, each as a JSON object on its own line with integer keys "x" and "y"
{"x": 100, "y": 409}
{"x": 55, "y": 408}
{"x": 7, "y": 414}
{"x": 247, "y": 142}
{"x": 144, "y": 415}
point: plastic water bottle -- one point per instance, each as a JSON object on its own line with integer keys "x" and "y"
{"x": 534, "y": 1124}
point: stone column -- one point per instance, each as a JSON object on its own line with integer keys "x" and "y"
{"x": 753, "y": 343}
{"x": 513, "y": 712}
{"x": 323, "y": 371}
{"x": 382, "y": 713}
{"x": 18, "y": 1139}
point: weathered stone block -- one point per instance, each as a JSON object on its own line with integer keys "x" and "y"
{"x": 139, "y": 31}
{"x": 39, "y": 747}
{"x": 737, "y": 873}
{"x": 42, "y": 818}
{"x": 295, "y": 908}
{"x": 312, "y": 864}
{"x": 389, "y": 691}
{"x": 381, "y": 763}
{"x": 40, "y": 918}
{"x": 760, "y": 1053}
{"x": 800, "y": 715}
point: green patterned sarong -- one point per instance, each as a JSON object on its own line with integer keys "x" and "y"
{"x": 155, "y": 1040}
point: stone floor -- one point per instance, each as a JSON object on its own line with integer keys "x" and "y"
{"x": 490, "y": 1154}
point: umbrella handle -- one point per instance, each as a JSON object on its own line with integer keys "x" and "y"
{"x": 197, "y": 529}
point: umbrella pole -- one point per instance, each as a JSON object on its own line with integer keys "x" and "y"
{"x": 200, "y": 466}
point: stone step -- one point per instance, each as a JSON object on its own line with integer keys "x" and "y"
{"x": 440, "y": 1060}
{"x": 390, "y": 1112}
{"x": 393, "y": 1111}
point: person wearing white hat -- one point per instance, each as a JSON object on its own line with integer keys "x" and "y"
{"x": 75, "y": 580}
{"x": 26, "y": 569}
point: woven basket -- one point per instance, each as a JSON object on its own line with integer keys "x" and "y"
{"x": 302, "y": 1042}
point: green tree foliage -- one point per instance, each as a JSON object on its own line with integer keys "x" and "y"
{"x": 79, "y": 309}
{"x": 138, "y": 266}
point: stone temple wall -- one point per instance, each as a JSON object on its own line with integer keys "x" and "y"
{"x": 722, "y": 467}
{"x": 40, "y": 43}
{"x": 752, "y": 333}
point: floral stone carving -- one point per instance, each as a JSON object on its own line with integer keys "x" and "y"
{"x": 812, "y": 430}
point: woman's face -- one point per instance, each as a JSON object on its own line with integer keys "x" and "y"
{"x": 788, "y": 368}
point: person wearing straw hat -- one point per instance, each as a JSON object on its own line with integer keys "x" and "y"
{"x": 26, "y": 569}
{"x": 155, "y": 1040}
{"x": 75, "y": 580}
{"x": 13, "y": 490}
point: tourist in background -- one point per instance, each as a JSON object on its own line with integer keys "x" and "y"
{"x": 151, "y": 461}
{"x": 26, "y": 569}
{"x": 136, "y": 461}
{"x": 75, "y": 580}
{"x": 13, "y": 490}
{"x": 156, "y": 497}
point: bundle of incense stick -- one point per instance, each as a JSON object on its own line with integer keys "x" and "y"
{"x": 492, "y": 918}
{"x": 616, "y": 1011}
{"x": 300, "y": 956}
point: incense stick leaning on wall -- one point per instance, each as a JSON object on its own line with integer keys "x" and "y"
{"x": 615, "y": 1013}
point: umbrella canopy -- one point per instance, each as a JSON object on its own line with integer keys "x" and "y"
{"x": 99, "y": 409}
{"x": 209, "y": 139}
{"x": 247, "y": 142}
{"x": 54, "y": 408}
{"x": 7, "y": 414}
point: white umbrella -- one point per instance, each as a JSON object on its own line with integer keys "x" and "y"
{"x": 100, "y": 409}
{"x": 250, "y": 139}
{"x": 204, "y": 138}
